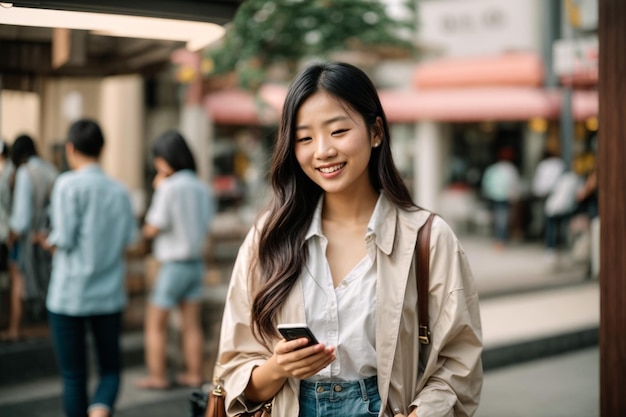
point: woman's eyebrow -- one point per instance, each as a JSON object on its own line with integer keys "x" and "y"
{"x": 326, "y": 122}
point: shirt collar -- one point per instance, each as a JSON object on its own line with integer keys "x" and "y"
{"x": 315, "y": 228}
{"x": 93, "y": 167}
{"x": 381, "y": 227}
{"x": 183, "y": 173}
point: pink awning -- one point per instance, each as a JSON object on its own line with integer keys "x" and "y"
{"x": 483, "y": 103}
{"x": 232, "y": 107}
{"x": 585, "y": 104}
{"x": 510, "y": 69}
{"x": 409, "y": 106}
{"x": 470, "y": 104}
{"x": 238, "y": 107}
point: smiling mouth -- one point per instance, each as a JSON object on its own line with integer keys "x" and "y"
{"x": 330, "y": 170}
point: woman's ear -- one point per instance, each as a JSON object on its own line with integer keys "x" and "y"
{"x": 377, "y": 134}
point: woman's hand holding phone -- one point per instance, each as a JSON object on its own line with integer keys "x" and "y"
{"x": 302, "y": 356}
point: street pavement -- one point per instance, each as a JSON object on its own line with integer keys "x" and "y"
{"x": 540, "y": 323}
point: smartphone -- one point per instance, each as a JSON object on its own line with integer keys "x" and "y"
{"x": 293, "y": 331}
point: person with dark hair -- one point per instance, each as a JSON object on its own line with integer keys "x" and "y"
{"x": 178, "y": 220}
{"x": 7, "y": 265}
{"x": 335, "y": 251}
{"x": 92, "y": 225}
{"x": 33, "y": 183}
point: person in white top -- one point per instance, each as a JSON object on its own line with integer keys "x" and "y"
{"x": 335, "y": 251}
{"x": 178, "y": 220}
{"x": 546, "y": 174}
{"x": 560, "y": 205}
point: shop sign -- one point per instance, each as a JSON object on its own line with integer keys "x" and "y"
{"x": 479, "y": 27}
{"x": 577, "y": 55}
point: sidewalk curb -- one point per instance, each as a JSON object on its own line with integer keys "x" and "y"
{"x": 501, "y": 356}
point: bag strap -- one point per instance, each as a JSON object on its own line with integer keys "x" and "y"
{"x": 422, "y": 272}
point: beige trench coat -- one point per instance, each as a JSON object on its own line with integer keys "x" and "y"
{"x": 450, "y": 382}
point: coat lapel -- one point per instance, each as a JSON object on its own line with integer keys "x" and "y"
{"x": 394, "y": 260}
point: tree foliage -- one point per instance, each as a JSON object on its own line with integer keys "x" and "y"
{"x": 271, "y": 33}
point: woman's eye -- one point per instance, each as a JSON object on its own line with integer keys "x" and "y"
{"x": 339, "y": 131}
{"x": 302, "y": 139}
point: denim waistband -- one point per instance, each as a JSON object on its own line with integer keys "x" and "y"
{"x": 336, "y": 391}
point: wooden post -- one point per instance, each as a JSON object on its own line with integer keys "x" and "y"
{"x": 612, "y": 201}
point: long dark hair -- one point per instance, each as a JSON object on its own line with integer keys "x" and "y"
{"x": 23, "y": 148}
{"x": 281, "y": 249}
{"x": 172, "y": 147}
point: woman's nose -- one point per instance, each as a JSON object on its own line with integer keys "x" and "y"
{"x": 325, "y": 148}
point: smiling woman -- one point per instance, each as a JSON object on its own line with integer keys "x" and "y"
{"x": 335, "y": 250}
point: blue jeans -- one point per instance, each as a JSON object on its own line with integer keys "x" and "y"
{"x": 556, "y": 231}
{"x": 69, "y": 334}
{"x": 501, "y": 215}
{"x": 347, "y": 399}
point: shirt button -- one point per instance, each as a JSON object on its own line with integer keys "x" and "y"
{"x": 320, "y": 389}
{"x": 338, "y": 388}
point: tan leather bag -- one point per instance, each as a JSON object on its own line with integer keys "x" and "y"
{"x": 216, "y": 406}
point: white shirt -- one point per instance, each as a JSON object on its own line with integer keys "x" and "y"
{"x": 345, "y": 316}
{"x": 546, "y": 175}
{"x": 182, "y": 209}
{"x": 562, "y": 199}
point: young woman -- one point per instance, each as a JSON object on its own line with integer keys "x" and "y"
{"x": 335, "y": 250}
{"x": 178, "y": 219}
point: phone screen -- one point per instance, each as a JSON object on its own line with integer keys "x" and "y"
{"x": 297, "y": 330}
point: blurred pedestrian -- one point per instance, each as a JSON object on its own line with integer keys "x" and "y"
{"x": 6, "y": 179}
{"x": 548, "y": 171}
{"x": 546, "y": 174}
{"x": 178, "y": 220}
{"x": 34, "y": 179}
{"x": 560, "y": 205}
{"x": 501, "y": 186}
{"x": 92, "y": 224}
{"x": 335, "y": 251}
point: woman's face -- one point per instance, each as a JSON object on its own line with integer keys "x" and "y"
{"x": 163, "y": 170}
{"x": 333, "y": 144}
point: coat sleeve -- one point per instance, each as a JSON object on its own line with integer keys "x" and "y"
{"x": 239, "y": 352}
{"x": 452, "y": 379}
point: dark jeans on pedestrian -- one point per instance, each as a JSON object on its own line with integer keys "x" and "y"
{"x": 556, "y": 230}
{"x": 501, "y": 219}
{"x": 69, "y": 334}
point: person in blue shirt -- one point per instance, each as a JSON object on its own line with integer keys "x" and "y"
{"x": 92, "y": 224}
{"x": 34, "y": 179}
{"x": 178, "y": 220}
